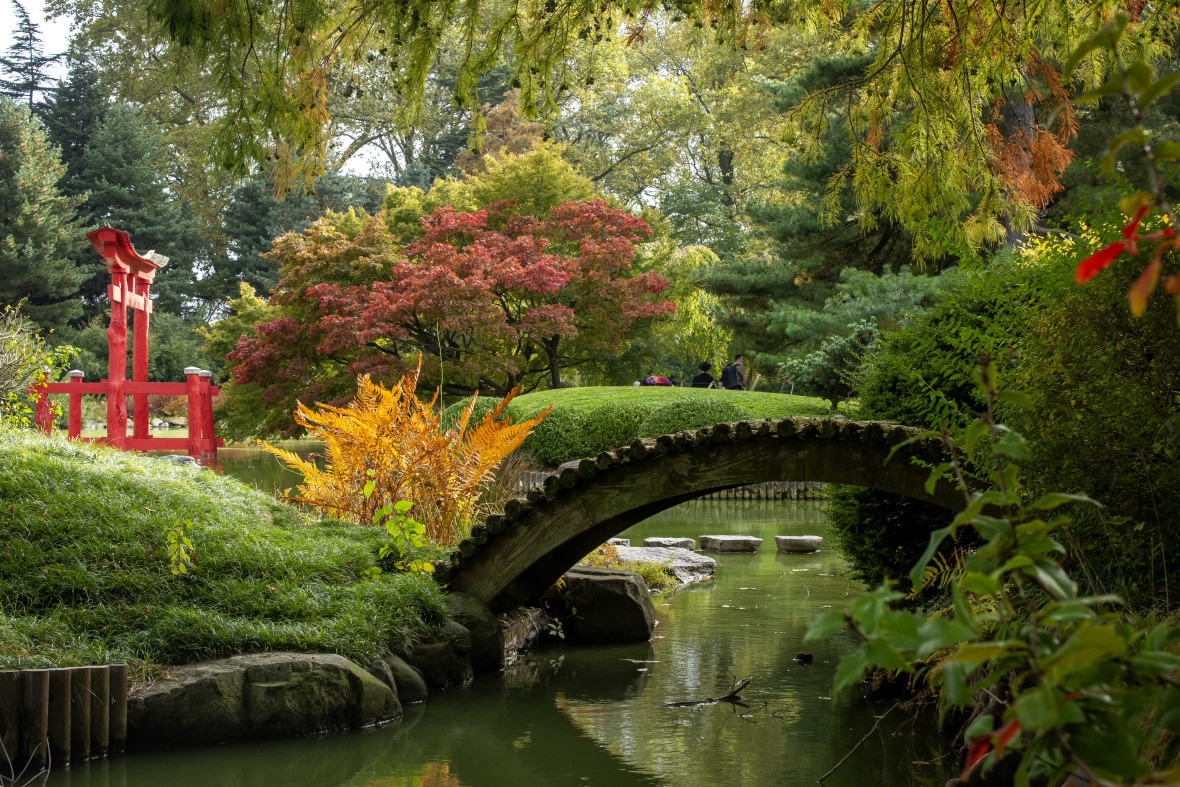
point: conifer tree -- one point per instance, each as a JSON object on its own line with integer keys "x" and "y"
{"x": 25, "y": 66}
{"x": 122, "y": 173}
{"x": 71, "y": 114}
{"x": 37, "y": 225}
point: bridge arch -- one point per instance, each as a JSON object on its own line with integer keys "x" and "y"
{"x": 513, "y": 557}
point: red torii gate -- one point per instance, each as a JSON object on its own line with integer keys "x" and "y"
{"x": 131, "y": 279}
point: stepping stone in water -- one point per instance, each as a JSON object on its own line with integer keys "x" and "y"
{"x": 620, "y": 542}
{"x": 730, "y": 543}
{"x": 683, "y": 543}
{"x": 798, "y": 543}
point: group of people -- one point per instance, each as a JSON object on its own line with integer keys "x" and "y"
{"x": 733, "y": 376}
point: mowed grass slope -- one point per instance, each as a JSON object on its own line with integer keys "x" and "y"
{"x": 85, "y": 574}
{"x": 585, "y": 421}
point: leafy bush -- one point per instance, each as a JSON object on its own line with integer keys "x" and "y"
{"x": 829, "y": 371}
{"x": 23, "y": 357}
{"x": 559, "y": 438}
{"x": 612, "y": 425}
{"x": 1106, "y": 388}
{"x": 689, "y": 414}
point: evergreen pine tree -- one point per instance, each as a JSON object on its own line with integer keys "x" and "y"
{"x": 255, "y": 217}
{"x": 71, "y": 114}
{"x": 37, "y": 225}
{"x": 122, "y": 171}
{"x": 25, "y": 67}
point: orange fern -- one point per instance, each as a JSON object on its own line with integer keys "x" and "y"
{"x": 391, "y": 438}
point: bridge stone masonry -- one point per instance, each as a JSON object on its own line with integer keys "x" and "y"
{"x": 511, "y": 558}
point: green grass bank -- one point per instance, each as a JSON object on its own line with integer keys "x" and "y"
{"x": 585, "y": 421}
{"x": 86, "y": 577}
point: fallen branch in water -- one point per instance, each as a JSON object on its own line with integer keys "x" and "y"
{"x": 732, "y": 696}
{"x": 836, "y": 767}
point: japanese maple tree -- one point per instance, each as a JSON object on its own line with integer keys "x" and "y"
{"x": 491, "y": 300}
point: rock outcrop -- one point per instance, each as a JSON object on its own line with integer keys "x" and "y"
{"x": 685, "y": 565}
{"x": 600, "y": 605}
{"x": 263, "y": 695}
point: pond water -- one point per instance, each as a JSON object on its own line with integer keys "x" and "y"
{"x": 596, "y": 715}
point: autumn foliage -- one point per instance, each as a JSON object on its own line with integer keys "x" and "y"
{"x": 392, "y": 439}
{"x": 491, "y": 301}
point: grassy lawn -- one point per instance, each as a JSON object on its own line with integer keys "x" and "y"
{"x": 86, "y": 577}
{"x": 754, "y": 404}
{"x": 585, "y": 421}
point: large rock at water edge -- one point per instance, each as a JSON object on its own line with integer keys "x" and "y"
{"x": 798, "y": 543}
{"x": 730, "y": 543}
{"x": 685, "y": 565}
{"x": 679, "y": 543}
{"x": 262, "y": 695}
{"x": 487, "y": 639}
{"x": 603, "y": 605}
{"x": 406, "y": 682}
{"x": 447, "y": 662}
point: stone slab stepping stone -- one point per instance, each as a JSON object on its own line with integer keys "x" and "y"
{"x": 682, "y": 543}
{"x": 798, "y": 543}
{"x": 620, "y": 542}
{"x": 730, "y": 543}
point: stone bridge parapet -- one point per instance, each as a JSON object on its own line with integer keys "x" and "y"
{"x": 511, "y": 558}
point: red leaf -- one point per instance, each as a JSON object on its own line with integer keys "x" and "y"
{"x": 1142, "y": 288}
{"x": 1096, "y": 262}
{"x": 1133, "y": 225}
{"x": 976, "y": 752}
{"x": 1005, "y": 734}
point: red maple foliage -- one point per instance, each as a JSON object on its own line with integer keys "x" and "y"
{"x": 501, "y": 299}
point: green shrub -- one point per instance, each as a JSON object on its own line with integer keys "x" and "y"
{"x": 689, "y": 414}
{"x": 1106, "y": 390}
{"x": 612, "y": 425}
{"x": 559, "y": 438}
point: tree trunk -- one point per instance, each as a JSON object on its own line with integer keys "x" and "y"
{"x": 554, "y": 368}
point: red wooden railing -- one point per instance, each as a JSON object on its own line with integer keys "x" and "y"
{"x": 131, "y": 280}
{"x": 201, "y": 444}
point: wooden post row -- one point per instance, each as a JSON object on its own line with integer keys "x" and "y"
{"x": 55, "y": 716}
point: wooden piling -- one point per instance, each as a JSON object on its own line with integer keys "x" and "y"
{"x": 59, "y": 715}
{"x": 9, "y": 713}
{"x": 32, "y": 752}
{"x": 100, "y": 701}
{"x": 79, "y": 714}
{"x": 118, "y": 707}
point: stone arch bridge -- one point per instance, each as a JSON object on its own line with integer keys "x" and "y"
{"x": 513, "y": 557}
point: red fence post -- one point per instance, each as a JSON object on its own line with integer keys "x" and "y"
{"x": 75, "y": 421}
{"x": 208, "y": 448}
{"x": 193, "y": 376}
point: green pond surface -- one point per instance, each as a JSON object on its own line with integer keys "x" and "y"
{"x": 597, "y": 715}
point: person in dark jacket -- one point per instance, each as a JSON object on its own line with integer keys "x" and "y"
{"x": 704, "y": 379}
{"x": 733, "y": 377}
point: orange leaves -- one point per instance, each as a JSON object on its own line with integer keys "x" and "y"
{"x": 389, "y": 437}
